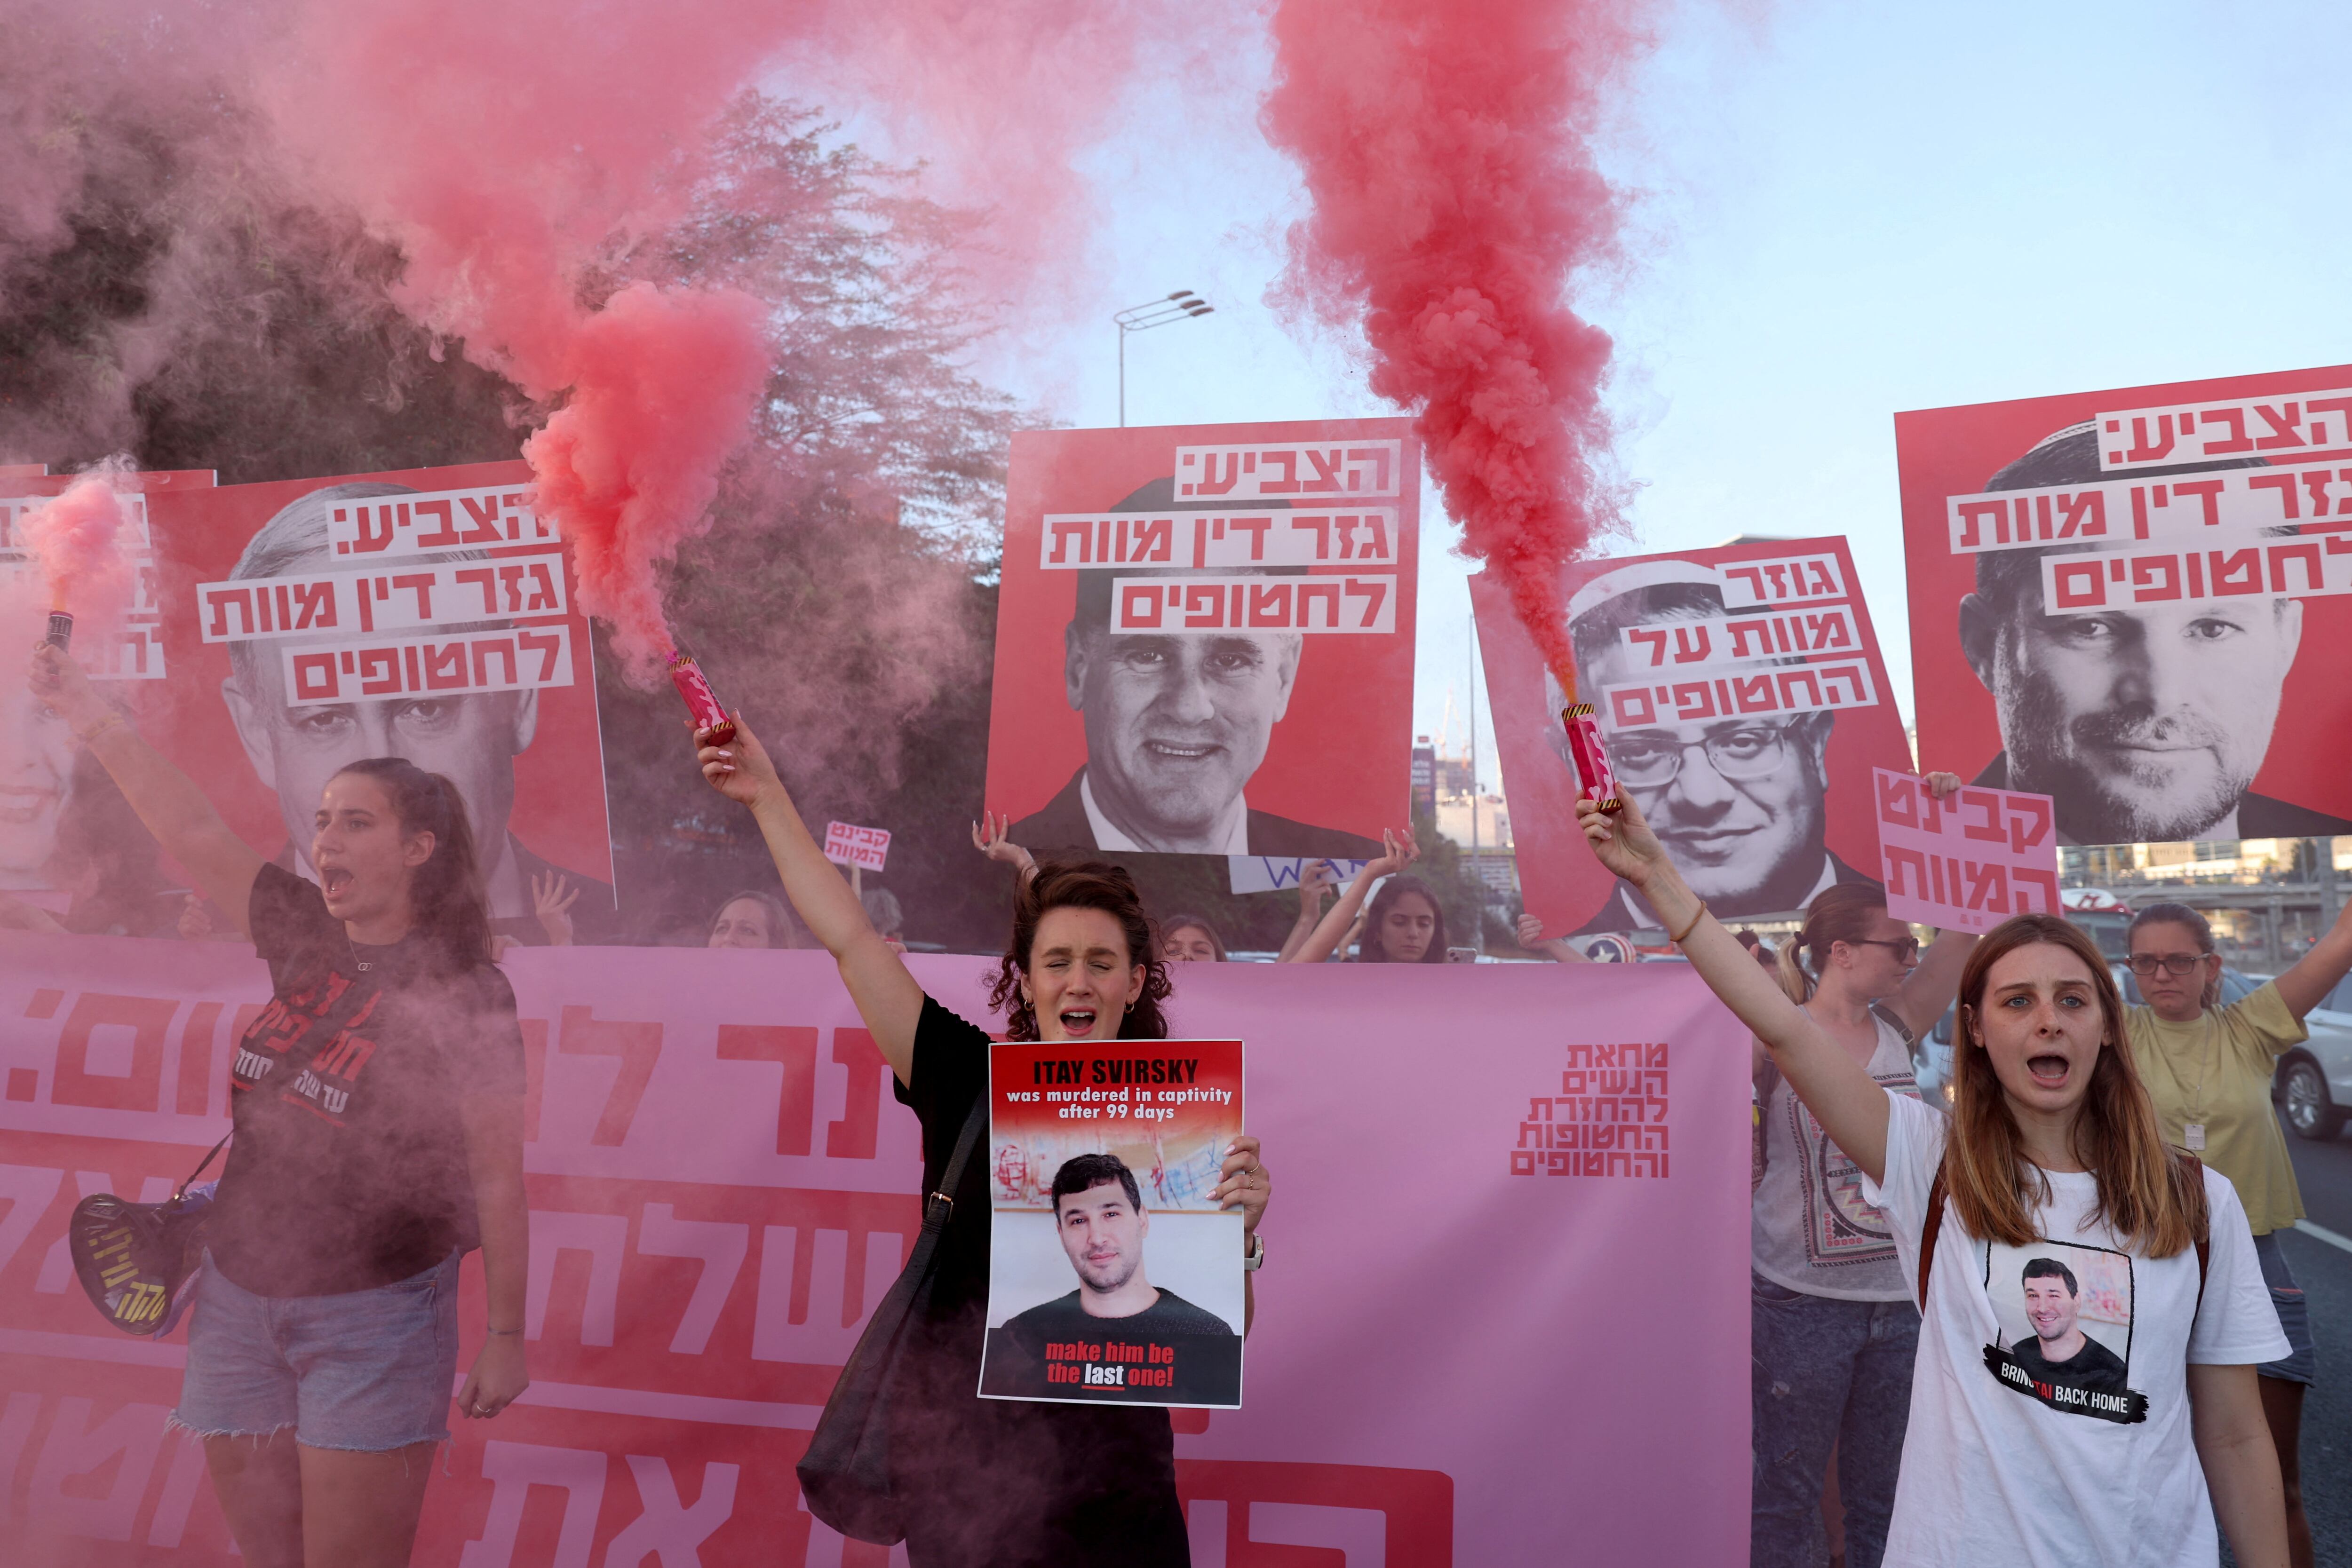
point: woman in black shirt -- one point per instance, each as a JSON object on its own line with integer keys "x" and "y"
{"x": 1001, "y": 1483}
{"x": 377, "y": 1103}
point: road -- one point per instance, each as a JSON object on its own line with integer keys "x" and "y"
{"x": 2324, "y": 1173}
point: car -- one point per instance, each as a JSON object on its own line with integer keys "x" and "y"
{"x": 2313, "y": 1084}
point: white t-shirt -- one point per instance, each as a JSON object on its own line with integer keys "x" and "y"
{"x": 2049, "y": 1402}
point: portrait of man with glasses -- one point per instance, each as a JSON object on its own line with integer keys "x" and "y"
{"x": 1740, "y": 803}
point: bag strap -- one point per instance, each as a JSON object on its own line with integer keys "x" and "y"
{"x": 952, "y": 1176}
{"x": 2189, "y": 1163}
{"x": 182, "y": 1190}
{"x": 1929, "y": 1232}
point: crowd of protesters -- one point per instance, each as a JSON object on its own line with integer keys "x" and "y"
{"x": 2078, "y": 1128}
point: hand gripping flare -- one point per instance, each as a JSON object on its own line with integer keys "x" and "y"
{"x": 710, "y": 720}
{"x": 1594, "y": 780}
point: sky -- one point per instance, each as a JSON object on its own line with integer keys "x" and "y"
{"x": 1837, "y": 210}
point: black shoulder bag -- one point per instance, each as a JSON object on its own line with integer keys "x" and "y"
{"x": 845, "y": 1473}
{"x": 137, "y": 1260}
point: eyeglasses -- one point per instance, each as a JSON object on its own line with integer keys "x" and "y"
{"x": 2145, "y": 963}
{"x": 1750, "y": 751}
{"x": 1907, "y": 948}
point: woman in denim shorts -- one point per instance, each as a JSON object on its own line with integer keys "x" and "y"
{"x": 377, "y": 1102}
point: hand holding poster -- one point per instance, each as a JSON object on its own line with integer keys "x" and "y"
{"x": 1100, "y": 1153}
{"x": 1740, "y": 692}
{"x": 1965, "y": 863}
{"x": 2115, "y": 594}
{"x": 847, "y": 845}
{"x": 1271, "y": 873}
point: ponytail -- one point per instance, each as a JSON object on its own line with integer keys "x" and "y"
{"x": 1846, "y": 912}
{"x": 445, "y": 893}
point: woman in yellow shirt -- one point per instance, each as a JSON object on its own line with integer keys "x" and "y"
{"x": 2209, "y": 1070}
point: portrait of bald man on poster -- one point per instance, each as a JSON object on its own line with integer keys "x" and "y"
{"x": 2143, "y": 613}
{"x": 462, "y": 717}
{"x": 1197, "y": 651}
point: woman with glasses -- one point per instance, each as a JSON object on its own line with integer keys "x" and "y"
{"x": 1831, "y": 1319}
{"x": 2209, "y": 1070}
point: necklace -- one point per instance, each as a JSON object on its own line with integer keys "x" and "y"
{"x": 362, "y": 965}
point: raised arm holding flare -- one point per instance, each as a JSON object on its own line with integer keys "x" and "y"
{"x": 1001, "y": 1481}
{"x": 2053, "y": 1148}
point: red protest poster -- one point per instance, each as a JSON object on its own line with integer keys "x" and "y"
{"x": 1204, "y": 638}
{"x": 304, "y": 624}
{"x": 1965, "y": 863}
{"x": 2114, "y": 595}
{"x": 1113, "y": 1278}
{"x": 1744, "y": 703}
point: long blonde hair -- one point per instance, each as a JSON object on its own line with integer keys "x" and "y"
{"x": 2145, "y": 1194}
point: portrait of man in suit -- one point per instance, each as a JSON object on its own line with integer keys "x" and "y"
{"x": 471, "y": 738}
{"x": 1176, "y": 723}
{"x": 2144, "y": 723}
{"x": 1742, "y": 803}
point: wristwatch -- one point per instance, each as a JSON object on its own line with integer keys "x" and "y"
{"x": 1255, "y": 1257}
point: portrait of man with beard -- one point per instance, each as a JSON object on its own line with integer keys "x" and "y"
{"x": 2144, "y": 723}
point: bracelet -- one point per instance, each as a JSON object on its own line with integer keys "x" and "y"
{"x": 110, "y": 721}
{"x": 506, "y": 1330}
{"x": 1686, "y": 930}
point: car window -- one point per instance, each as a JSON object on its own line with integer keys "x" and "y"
{"x": 2237, "y": 987}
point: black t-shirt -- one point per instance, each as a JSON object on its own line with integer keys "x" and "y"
{"x": 2093, "y": 1368}
{"x": 349, "y": 1170}
{"x": 1064, "y": 1318}
{"x": 996, "y": 1483}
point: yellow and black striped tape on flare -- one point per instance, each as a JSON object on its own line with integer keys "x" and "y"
{"x": 1576, "y": 710}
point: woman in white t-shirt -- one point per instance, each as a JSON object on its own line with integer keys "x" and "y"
{"x": 2092, "y": 1312}
{"x": 1830, "y": 1316}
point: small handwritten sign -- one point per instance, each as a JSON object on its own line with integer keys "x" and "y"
{"x": 1965, "y": 863}
{"x": 845, "y": 844}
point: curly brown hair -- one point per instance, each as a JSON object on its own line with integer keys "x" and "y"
{"x": 1089, "y": 885}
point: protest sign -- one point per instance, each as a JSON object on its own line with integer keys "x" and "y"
{"x": 721, "y": 1189}
{"x": 284, "y": 630}
{"x": 1743, "y": 700}
{"x": 2115, "y": 594}
{"x": 1965, "y": 863}
{"x": 1113, "y": 1276}
{"x": 1204, "y": 638}
{"x": 1271, "y": 873}
{"x": 847, "y": 845}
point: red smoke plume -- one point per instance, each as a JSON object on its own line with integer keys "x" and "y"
{"x": 511, "y": 146}
{"x": 1446, "y": 148}
{"x": 85, "y": 541}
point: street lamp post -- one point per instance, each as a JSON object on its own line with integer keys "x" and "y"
{"x": 1181, "y": 306}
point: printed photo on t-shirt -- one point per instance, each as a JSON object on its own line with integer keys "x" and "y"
{"x": 2066, "y": 1317}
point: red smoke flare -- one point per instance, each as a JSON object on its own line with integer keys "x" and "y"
{"x": 85, "y": 541}
{"x": 1446, "y": 148}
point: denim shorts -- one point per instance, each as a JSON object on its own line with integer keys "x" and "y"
{"x": 2302, "y": 1361}
{"x": 367, "y": 1370}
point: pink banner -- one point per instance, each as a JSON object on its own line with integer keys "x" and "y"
{"x": 1504, "y": 1307}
